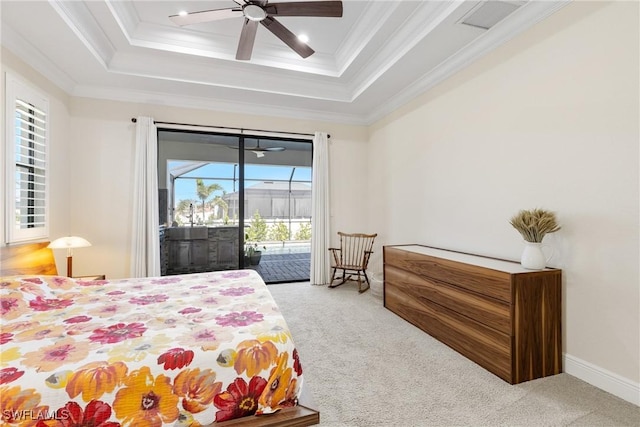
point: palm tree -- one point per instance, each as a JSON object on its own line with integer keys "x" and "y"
{"x": 204, "y": 192}
{"x": 219, "y": 201}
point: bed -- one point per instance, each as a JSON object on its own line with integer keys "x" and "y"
{"x": 187, "y": 350}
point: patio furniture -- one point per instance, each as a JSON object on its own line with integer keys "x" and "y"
{"x": 352, "y": 257}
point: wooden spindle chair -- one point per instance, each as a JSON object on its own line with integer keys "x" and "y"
{"x": 352, "y": 257}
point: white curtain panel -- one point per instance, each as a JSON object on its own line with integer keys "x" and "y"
{"x": 145, "y": 244}
{"x": 320, "y": 261}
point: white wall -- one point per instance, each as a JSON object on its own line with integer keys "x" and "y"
{"x": 551, "y": 120}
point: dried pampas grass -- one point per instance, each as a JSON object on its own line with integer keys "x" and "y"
{"x": 534, "y": 224}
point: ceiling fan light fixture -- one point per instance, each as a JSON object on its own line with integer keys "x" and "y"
{"x": 262, "y": 12}
{"x": 253, "y": 12}
{"x": 303, "y": 38}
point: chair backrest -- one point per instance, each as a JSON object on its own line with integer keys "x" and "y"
{"x": 356, "y": 248}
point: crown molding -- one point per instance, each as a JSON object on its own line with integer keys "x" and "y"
{"x": 35, "y": 59}
{"x": 523, "y": 18}
{"x": 426, "y": 17}
{"x": 80, "y": 20}
{"x": 226, "y": 106}
{"x": 222, "y": 75}
{"x": 372, "y": 20}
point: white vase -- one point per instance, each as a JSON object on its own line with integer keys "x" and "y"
{"x": 532, "y": 256}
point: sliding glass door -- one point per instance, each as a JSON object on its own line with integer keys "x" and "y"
{"x": 277, "y": 215}
{"x": 234, "y": 201}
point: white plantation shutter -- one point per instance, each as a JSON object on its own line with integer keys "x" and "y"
{"x": 27, "y": 157}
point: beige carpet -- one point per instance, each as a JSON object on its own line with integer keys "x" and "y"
{"x": 365, "y": 366}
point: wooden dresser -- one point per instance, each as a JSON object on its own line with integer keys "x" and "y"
{"x": 503, "y": 317}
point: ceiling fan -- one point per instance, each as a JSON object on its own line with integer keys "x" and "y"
{"x": 259, "y": 151}
{"x": 263, "y": 12}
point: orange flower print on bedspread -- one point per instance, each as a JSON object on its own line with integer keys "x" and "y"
{"x": 48, "y": 358}
{"x": 20, "y": 407}
{"x": 95, "y": 379}
{"x": 145, "y": 401}
{"x": 12, "y": 306}
{"x": 207, "y": 338}
{"x": 254, "y": 356}
{"x": 40, "y": 332}
{"x": 197, "y": 388}
{"x": 281, "y": 389}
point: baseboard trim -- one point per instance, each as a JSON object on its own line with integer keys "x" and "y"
{"x": 603, "y": 379}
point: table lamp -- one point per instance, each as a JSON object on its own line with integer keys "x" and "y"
{"x": 69, "y": 243}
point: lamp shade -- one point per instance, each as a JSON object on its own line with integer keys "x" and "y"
{"x": 69, "y": 242}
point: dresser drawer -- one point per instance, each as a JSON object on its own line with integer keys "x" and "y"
{"x": 485, "y": 346}
{"x": 484, "y": 281}
{"x": 502, "y": 316}
{"x": 491, "y": 312}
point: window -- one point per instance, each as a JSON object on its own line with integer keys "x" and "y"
{"x": 27, "y": 144}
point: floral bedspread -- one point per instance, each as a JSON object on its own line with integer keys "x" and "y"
{"x": 181, "y": 350}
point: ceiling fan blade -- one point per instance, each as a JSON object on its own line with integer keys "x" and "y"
{"x": 259, "y": 149}
{"x": 287, "y": 37}
{"x": 206, "y": 16}
{"x": 247, "y": 38}
{"x": 311, "y": 8}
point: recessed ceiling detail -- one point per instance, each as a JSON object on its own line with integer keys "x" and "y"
{"x": 262, "y": 12}
{"x": 376, "y": 57}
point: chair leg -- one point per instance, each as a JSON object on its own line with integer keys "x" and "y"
{"x": 346, "y": 277}
{"x": 360, "y": 290}
{"x": 331, "y": 285}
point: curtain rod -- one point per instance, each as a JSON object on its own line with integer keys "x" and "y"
{"x": 134, "y": 120}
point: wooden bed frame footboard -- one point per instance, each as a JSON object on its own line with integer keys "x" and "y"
{"x": 297, "y": 416}
{"x": 36, "y": 258}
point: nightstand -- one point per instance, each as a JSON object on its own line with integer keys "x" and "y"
{"x": 95, "y": 277}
